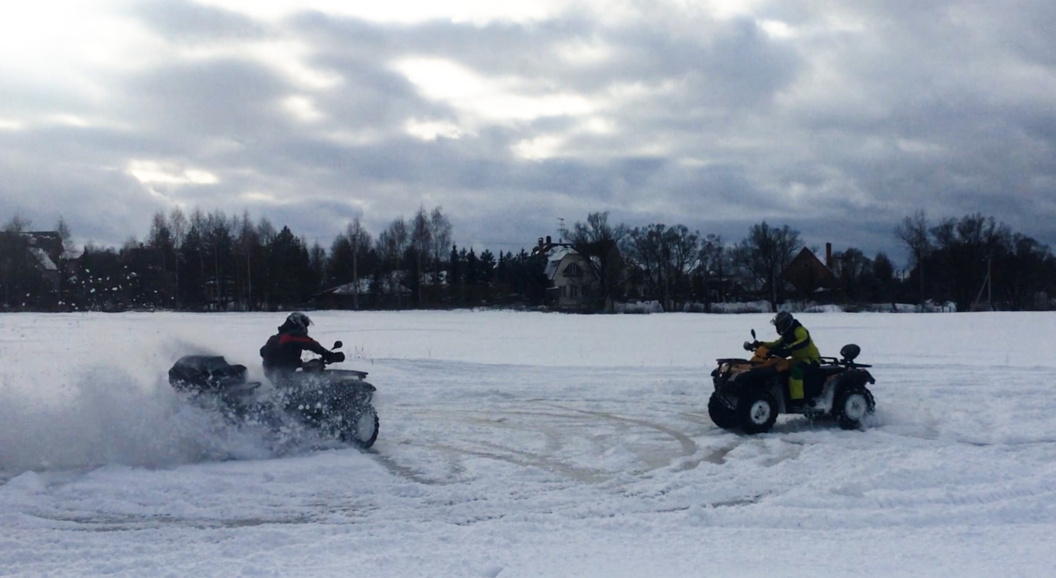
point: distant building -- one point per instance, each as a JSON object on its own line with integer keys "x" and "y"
{"x": 47, "y": 251}
{"x": 31, "y": 263}
{"x": 571, "y": 277}
{"x": 808, "y": 275}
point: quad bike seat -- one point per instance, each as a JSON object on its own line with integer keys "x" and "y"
{"x": 829, "y": 370}
{"x": 206, "y": 373}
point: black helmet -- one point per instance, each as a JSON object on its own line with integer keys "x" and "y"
{"x": 782, "y": 321}
{"x": 298, "y": 320}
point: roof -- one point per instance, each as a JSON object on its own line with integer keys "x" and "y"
{"x": 554, "y": 258}
{"x": 807, "y": 273}
{"x": 43, "y": 259}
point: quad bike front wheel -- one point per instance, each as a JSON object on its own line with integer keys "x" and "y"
{"x": 851, "y": 405}
{"x": 720, "y": 413}
{"x": 757, "y": 412}
{"x": 360, "y": 428}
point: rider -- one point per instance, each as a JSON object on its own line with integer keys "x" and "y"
{"x": 794, "y": 342}
{"x": 282, "y": 352}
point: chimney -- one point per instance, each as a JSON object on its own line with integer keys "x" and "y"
{"x": 828, "y": 255}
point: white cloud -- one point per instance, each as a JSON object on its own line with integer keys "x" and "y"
{"x": 777, "y": 29}
{"x": 401, "y": 11}
{"x": 726, "y": 9}
{"x": 850, "y": 100}
{"x": 483, "y": 99}
{"x": 539, "y": 148}
{"x": 581, "y": 52}
{"x": 432, "y": 130}
{"x": 302, "y": 108}
{"x": 261, "y": 197}
{"x": 60, "y": 41}
{"x": 155, "y": 172}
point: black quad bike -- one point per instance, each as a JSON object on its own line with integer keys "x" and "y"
{"x": 750, "y": 393}
{"x": 337, "y": 402}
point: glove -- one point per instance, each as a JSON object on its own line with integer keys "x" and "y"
{"x": 335, "y": 357}
{"x": 749, "y": 346}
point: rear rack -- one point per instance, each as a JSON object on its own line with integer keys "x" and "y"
{"x": 841, "y": 362}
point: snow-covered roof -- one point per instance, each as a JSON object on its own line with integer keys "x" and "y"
{"x": 350, "y": 288}
{"x": 43, "y": 259}
{"x": 554, "y": 258}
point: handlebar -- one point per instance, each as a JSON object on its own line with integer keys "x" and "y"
{"x": 318, "y": 363}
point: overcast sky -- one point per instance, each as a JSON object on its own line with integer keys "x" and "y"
{"x": 836, "y": 117}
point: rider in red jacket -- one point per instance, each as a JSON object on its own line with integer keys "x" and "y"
{"x": 282, "y": 352}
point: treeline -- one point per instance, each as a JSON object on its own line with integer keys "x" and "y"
{"x": 216, "y": 262}
{"x": 973, "y": 262}
{"x": 977, "y": 262}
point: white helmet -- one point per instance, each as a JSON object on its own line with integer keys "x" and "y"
{"x": 298, "y": 320}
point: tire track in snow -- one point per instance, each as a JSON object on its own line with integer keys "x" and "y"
{"x": 560, "y": 429}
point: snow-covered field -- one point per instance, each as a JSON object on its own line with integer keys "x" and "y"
{"x": 529, "y": 444}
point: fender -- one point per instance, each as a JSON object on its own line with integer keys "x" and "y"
{"x": 855, "y": 377}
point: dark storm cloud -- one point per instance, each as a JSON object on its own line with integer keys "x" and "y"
{"x": 859, "y": 115}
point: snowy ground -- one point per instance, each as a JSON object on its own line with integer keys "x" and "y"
{"x": 525, "y": 444}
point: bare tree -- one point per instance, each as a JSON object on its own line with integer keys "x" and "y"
{"x": 421, "y": 243}
{"x": 440, "y": 229}
{"x": 853, "y": 267}
{"x": 765, "y": 254}
{"x": 714, "y": 267}
{"x": 16, "y": 270}
{"x": 66, "y": 238}
{"x": 64, "y": 233}
{"x": 18, "y": 224}
{"x": 248, "y": 243}
{"x": 163, "y": 248}
{"x": 178, "y": 225}
{"x": 965, "y": 249}
{"x": 667, "y": 258}
{"x": 599, "y": 243}
{"x": 359, "y": 239}
{"x": 913, "y": 231}
{"x": 392, "y": 243}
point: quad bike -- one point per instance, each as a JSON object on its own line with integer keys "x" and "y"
{"x": 750, "y": 393}
{"x": 337, "y": 402}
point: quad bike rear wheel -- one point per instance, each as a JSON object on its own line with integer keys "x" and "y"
{"x": 851, "y": 405}
{"x": 757, "y": 412}
{"x": 720, "y": 413}
{"x": 361, "y": 427}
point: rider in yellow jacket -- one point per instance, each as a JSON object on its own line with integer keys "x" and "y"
{"x": 795, "y": 343}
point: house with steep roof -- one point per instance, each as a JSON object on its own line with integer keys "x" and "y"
{"x": 808, "y": 275}
{"x": 31, "y": 262}
{"x": 572, "y": 279}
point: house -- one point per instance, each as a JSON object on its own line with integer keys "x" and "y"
{"x": 808, "y": 275}
{"x": 31, "y": 264}
{"x": 46, "y": 252}
{"x": 570, "y": 274}
{"x": 346, "y": 296}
